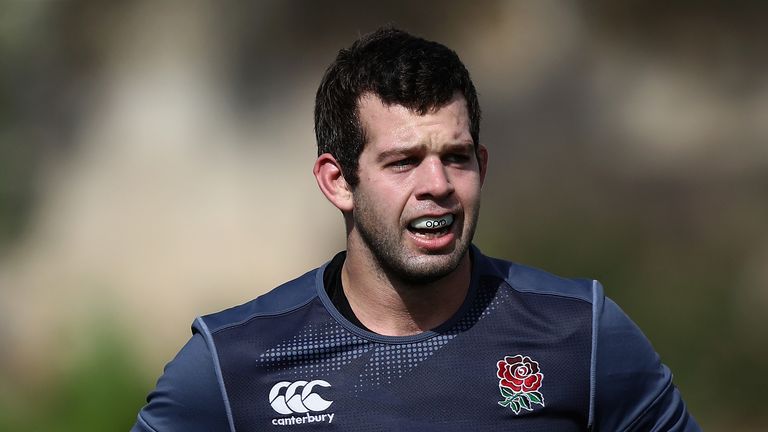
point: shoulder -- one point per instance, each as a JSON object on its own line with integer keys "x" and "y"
{"x": 283, "y": 299}
{"x": 525, "y": 279}
{"x": 190, "y": 395}
{"x": 633, "y": 388}
{"x": 187, "y": 395}
{"x": 630, "y": 388}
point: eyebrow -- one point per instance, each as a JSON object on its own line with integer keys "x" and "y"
{"x": 400, "y": 151}
{"x": 409, "y": 150}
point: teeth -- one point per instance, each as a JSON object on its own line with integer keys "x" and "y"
{"x": 432, "y": 223}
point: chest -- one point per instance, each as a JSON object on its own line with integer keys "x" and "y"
{"x": 521, "y": 373}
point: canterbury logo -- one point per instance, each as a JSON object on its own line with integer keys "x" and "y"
{"x": 298, "y": 397}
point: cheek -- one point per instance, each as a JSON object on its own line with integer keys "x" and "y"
{"x": 383, "y": 202}
{"x": 393, "y": 196}
{"x": 467, "y": 185}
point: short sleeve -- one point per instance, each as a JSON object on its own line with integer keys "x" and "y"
{"x": 187, "y": 396}
{"x": 633, "y": 389}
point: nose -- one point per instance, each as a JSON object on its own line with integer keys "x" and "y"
{"x": 434, "y": 181}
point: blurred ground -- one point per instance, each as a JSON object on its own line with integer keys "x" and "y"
{"x": 155, "y": 165}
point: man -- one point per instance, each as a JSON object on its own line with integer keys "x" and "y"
{"x": 413, "y": 328}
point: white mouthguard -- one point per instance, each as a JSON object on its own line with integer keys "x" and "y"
{"x": 432, "y": 223}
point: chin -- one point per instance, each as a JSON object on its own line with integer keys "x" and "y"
{"x": 426, "y": 269}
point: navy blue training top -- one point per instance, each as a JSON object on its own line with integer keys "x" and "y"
{"x": 527, "y": 351}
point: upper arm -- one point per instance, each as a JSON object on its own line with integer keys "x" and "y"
{"x": 634, "y": 390}
{"x": 187, "y": 396}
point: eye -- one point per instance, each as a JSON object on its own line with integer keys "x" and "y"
{"x": 402, "y": 164}
{"x": 457, "y": 158}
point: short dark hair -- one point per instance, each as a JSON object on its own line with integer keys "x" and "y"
{"x": 398, "y": 68}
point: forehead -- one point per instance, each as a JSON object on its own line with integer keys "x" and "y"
{"x": 395, "y": 123}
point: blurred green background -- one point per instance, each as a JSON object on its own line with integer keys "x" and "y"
{"x": 155, "y": 165}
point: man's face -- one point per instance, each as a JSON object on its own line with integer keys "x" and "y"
{"x": 418, "y": 199}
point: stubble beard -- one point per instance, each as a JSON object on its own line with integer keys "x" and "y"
{"x": 395, "y": 260}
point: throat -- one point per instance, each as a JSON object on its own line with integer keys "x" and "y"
{"x": 393, "y": 308}
{"x": 335, "y": 290}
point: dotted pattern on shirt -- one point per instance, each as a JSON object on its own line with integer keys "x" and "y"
{"x": 316, "y": 350}
{"x": 327, "y": 347}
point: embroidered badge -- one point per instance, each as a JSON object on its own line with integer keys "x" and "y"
{"x": 519, "y": 383}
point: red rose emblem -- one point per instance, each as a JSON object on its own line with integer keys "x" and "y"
{"x": 519, "y": 374}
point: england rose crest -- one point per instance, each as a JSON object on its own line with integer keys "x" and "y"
{"x": 519, "y": 383}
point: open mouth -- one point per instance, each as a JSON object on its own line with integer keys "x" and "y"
{"x": 431, "y": 226}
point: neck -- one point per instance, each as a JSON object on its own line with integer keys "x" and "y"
{"x": 392, "y": 307}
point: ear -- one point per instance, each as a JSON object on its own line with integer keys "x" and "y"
{"x": 482, "y": 160}
{"x": 331, "y": 181}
